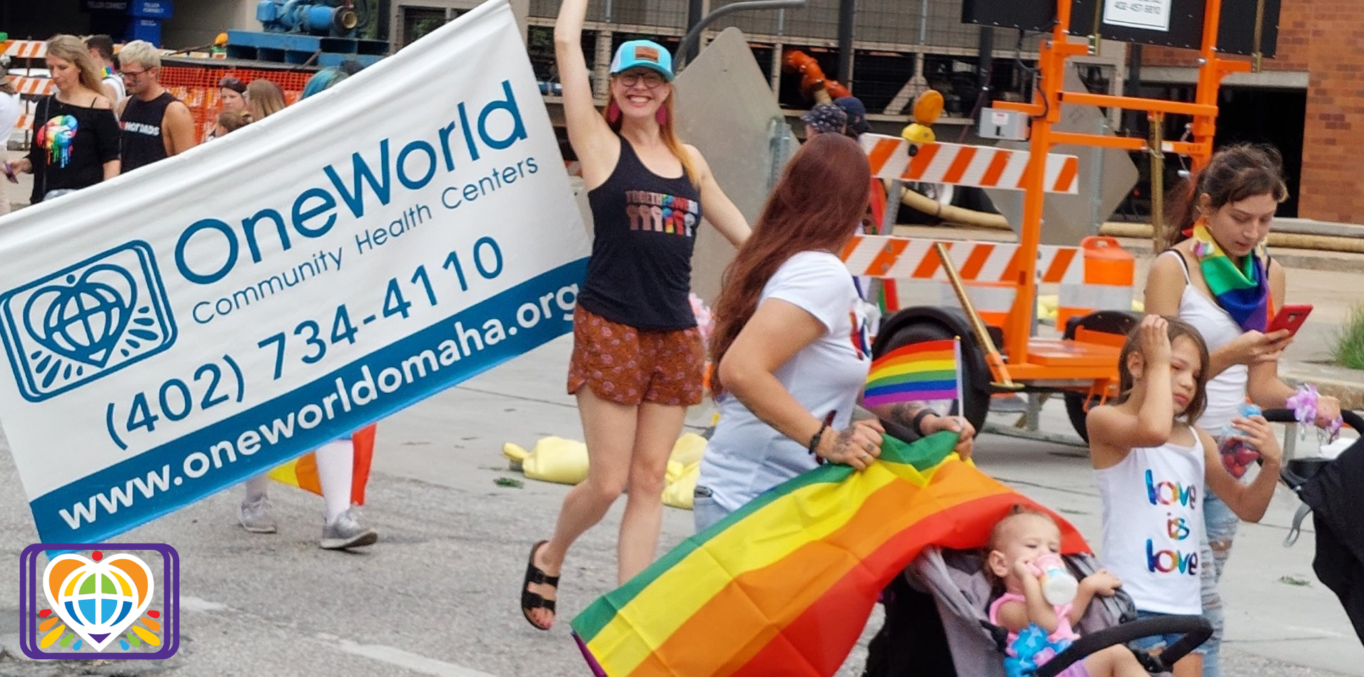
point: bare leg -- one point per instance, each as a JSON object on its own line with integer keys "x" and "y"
{"x": 655, "y": 436}
{"x": 609, "y": 429}
{"x": 1115, "y": 661}
{"x": 1190, "y": 666}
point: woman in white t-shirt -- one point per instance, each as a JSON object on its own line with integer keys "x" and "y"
{"x": 791, "y": 340}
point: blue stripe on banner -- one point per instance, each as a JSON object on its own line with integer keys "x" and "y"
{"x": 177, "y": 473}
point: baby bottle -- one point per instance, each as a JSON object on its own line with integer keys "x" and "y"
{"x": 1058, "y": 585}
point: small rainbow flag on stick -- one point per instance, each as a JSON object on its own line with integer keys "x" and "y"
{"x": 917, "y": 372}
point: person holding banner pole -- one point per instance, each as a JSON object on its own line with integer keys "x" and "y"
{"x": 791, "y": 347}
{"x": 637, "y": 362}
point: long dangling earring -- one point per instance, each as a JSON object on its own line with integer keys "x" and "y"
{"x": 661, "y": 116}
{"x": 612, "y": 113}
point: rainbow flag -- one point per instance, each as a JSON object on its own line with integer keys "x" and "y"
{"x": 785, "y": 584}
{"x": 302, "y": 471}
{"x": 917, "y": 372}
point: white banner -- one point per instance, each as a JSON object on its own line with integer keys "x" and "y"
{"x": 188, "y": 325}
{"x": 1151, "y": 15}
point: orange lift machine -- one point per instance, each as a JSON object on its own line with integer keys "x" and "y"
{"x": 996, "y": 302}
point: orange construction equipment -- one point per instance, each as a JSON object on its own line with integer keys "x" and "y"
{"x": 1045, "y": 111}
{"x": 813, "y": 83}
{"x": 1095, "y": 279}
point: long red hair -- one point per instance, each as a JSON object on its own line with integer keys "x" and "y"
{"x": 817, "y": 206}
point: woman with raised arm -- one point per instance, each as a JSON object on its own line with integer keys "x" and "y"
{"x": 637, "y": 356}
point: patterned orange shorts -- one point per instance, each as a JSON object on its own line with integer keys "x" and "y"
{"x": 628, "y": 366}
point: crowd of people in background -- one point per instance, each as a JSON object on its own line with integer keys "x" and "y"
{"x": 109, "y": 114}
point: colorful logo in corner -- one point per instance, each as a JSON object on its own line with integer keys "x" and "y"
{"x": 86, "y": 321}
{"x": 104, "y": 601}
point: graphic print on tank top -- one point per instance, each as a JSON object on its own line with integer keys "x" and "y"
{"x": 661, "y": 213}
{"x": 1172, "y": 554}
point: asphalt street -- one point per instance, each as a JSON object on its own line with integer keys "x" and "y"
{"x": 438, "y": 594}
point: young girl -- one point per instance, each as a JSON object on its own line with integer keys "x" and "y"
{"x": 1150, "y": 472}
{"x": 1016, "y": 543}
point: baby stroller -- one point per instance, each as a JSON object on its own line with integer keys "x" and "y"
{"x": 936, "y": 623}
{"x": 1329, "y": 491}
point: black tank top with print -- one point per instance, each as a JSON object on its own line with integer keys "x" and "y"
{"x": 640, "y": 271}
{"x": 142, "y": 142}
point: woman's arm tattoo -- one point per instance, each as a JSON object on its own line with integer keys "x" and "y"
{"x": 905, "y": 412}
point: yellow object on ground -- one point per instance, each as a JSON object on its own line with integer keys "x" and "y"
{"x": 555, "y": 459}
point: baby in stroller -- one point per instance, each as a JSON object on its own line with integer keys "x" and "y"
{"x": 1019, "y": 544}
{"x": 938, "y": 621}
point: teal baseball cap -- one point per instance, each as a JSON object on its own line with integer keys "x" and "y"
{"x": 643, "y": 54}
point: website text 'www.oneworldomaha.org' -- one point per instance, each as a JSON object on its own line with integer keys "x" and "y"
{"x": 341, "y": 398}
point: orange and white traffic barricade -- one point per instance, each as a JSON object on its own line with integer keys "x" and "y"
{"x": 30, "y": 86}
{"x": 1097, "y": 275}
{"x": 965, "y": 165}
{"x": 24, "y": 49}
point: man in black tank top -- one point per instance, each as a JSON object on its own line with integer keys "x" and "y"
{"x": 155, "y": 124}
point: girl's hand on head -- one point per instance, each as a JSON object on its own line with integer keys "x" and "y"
{"x": 1155, "y": 339}
{"x": 1257, "y": 432}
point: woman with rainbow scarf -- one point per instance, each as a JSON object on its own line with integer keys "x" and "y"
{"x": 1215, "y": 274}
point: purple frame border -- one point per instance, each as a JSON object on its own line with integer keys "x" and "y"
{"x": 28, "y": 599}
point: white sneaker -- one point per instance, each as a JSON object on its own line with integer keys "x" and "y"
{"x": 255, "y": 516}
{"x": 345, "y": 532}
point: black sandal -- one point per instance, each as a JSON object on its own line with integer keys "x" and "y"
{"x": 531, "y": 601}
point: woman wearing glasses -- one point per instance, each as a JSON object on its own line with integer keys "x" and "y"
{"x": 637, "y": 356}
{"x": 75, "y": 140}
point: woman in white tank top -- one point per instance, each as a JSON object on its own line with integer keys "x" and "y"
{"x": 1215, "y": 275}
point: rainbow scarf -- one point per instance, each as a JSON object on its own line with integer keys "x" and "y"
{"x": 1243, "y": 292}
{"x": 917, "y": 372}
{"x": 785, "y": 584}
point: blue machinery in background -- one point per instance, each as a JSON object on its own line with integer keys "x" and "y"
{"x": 308, "y": 32}
{"x": 311, "y": 17}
